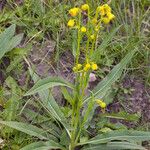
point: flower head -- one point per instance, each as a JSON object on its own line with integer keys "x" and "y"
{"x": 85, "y": 7}
{"x": 110, "y": 16}
{"x": 107, "y": 8}
{"x": 87, "y": 67}
{"x": 105, "y": 20}
{"x": 101, "y": 10}
{"x": 94, "y": 21}
{"x": 101, "y": 103}
{"x": 96, "y": 28}
{"x": 77, "y": 67}
{"x": 94, "y": 66}
{"x": 71, "y": 23}
{"x": 92, "y": 37}
{"x": 74, "y": 11}
{"x": 104, "y": 9}
{"x": 83, "y": 29}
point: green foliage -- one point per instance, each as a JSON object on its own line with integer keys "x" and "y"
{"x": 8, "y": 41}
{"x": 48, "y": 125}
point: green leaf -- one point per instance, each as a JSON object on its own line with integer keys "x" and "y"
{"x": 50, "y": 104}
{"x": 125, "y": 135}
{"x": 43, "y": 146}
{"x": 26, "y": 128}
{"x": 122, "y": 115}
{"x": 15, "y": 41}
{"x": 101, "y": 89}
{"x": 7, "y": 41}
{"x": 67, "y": 95}
{"x": 47, "y": 83}
{"x": 115, "y": 146}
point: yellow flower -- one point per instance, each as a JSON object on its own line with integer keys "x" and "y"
{"x": 94, "y": 21}
{"x": 94, "y": 66}
{"x": 101, "y": 10}
{"x": 71, "y": 23}
{"x": 105, "y": 20}
{"x": 104, "y": 9}
{"x": 79, "y": 66}
{"x": 87, "y": 67}
{"x": 83, "y": 29}
{"x": 92, "y": 36}
{"x": 85, "y": 7}
{"x": 74, "y": 11}
{"x": 101, "y": 103}
{"x": 110, "y": 16}
{"x": 96, "y": 28}
{"x": 74, "y": 69}
{"x": 107, "y": 8}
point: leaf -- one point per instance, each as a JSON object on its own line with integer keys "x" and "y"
{"x": 43, "y": 146}
{"x": 67, "y": 95}
{"x": 125, "y": 135}
{"x": 26, "y": 128}
{"x": 5, "y": 38}
{"x": 114, "y": 146}
{"x": 15, "y": 41}
{"x": 122, "y": 115}
{"x": 47, "y": 83}
{"x": 101, "y": 89}
{"x": 50, "y": 104}
{"x": 7, "y": 41}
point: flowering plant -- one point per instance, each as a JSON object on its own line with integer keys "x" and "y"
{"x": 70, "y": 132}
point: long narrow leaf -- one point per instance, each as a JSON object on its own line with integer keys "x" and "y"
{"x": 46, "y": 83}
{"x": 43, "y": 146}
{"x": 50, "y": 103}
{"x": 115, "y": 146}
{"x": 125, "y": 135}
{"x": 26, "y": 128}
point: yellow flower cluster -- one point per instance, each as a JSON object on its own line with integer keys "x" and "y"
{"x": 89, "y": 66}
{"x": 93, "y": 66}
{"x": 101, "y": 103}
{"x": 74, "y": 12}
{"x": 105, "y": 12}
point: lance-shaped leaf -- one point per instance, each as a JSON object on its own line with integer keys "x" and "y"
{"x": 125, "y": 135}
{"x": 41, "y": 145}
{"x": 47, "y": 83}
{"x": 114, "y": 146}
{"x": 8, "y": 41}
{"x": 50, "y": 104}
{"x": 26, "y": 128}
